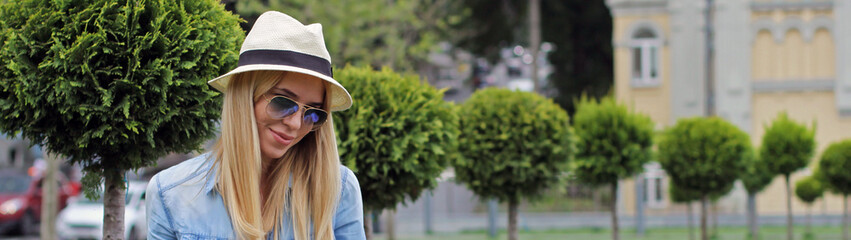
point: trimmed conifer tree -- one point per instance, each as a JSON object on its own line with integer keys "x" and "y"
{"x": 833, "y": 170}
{"x": 786, "y": 147}
{"x": 809, "y": 189}
{"x": 514, "y": 145}
{"x": 614, "y": 143}
{"x": 114, "y": 84}
{"x": 704, "y": 155}
{"x": 398, "y": 136}
{"x": 757, "y": 176}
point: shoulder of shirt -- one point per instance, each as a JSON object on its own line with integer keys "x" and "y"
{"x": 348, "y": 178}
{"x": 190, "y": 172}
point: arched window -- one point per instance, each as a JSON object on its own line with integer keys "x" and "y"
{"x": 644, "y": 48}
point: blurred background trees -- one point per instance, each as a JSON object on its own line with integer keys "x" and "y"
{"x": 376, "y": 33}
{"x": 756, "y": 178}
{"x": 580, "y": 30}
{"x": 809, "y": 189}
{"x": 401, "y": 34}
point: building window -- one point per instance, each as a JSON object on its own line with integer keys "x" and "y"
{"x": 645, "y": 45}
{"x": 654, "y": 187}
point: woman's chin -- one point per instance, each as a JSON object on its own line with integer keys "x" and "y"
{"x": 278, "y": 153}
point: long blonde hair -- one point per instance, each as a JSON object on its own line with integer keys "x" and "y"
{"x": 313, "y": 164}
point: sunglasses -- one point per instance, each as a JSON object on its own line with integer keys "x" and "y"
{"x": 280, "y": 107}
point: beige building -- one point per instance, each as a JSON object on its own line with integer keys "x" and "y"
{"x": 770, "y": 56}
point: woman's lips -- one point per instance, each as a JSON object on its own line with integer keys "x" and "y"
{"x": 281, "y": 138}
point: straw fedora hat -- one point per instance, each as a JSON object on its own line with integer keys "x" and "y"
{"x": 282, "y": 43}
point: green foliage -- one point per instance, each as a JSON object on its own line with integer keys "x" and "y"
{"x": 818, "y": 174}
{"x": 581, "y": 31}
{"x": 514, "y": 144}
{"x": 757, "y": 176}
{"x": 614, "y": 143}
{"x": 715, "y": 196}
{"x": 834, "y": 165}
{"x": 787, "y": 145}
{"x": 398, "y": 136}
{"x": 681, "y": 195}
{"x": 808, "y": 189}
{"x": 493, "y": 25}
{"x": 113, "y": 84}
{"x": 583, "y": 60}
{"x": 398, "y": 34}
{"x": 704, "y": 154}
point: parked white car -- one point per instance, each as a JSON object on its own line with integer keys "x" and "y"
{"x": 521, "y": 84}
{"x": 83, "y": 218}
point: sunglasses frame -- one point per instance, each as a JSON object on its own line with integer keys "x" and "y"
{"x": 301, "y": 107}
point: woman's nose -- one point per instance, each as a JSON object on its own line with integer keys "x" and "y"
{"x": 294, "y": 121}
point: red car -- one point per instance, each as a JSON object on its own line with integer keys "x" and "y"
{"x": 20, "y": 201}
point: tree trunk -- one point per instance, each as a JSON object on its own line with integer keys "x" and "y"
{"x": 597, "y": 200}
{"x": 50, "y": 196}
{"x": 810, "y": 219}
{"x": 512, "y": 219}
{"x": 788, "y": 209}
{"x": 845, "y": 218}
{"x": 113, "y": 204}
{"x": 714, "y": 219}
{"x": 639, "y": 205}
{"x": 754, "y": 229}
{"x": 703, "y": 202}
{"x": 615, "y": 211}
{"x": 690, "y": 221}
{"x": 367, "y": 224}
{"x": 535, "y": 39}
{"x": 427, "y": 215}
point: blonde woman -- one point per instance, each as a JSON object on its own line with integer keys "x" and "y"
{"x": 275, "y": 172}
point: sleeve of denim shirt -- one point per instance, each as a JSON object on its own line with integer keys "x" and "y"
{"x": 348, "y": 222}
{"x": 159, "y": 224}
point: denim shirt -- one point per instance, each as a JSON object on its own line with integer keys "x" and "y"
{"x": 182, "y": 203}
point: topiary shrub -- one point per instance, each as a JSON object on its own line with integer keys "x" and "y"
{"x": 808, "y": 190}
{"x": 514, "y": 145}
{"x": 614, "y": 143}
{"x": 398, "y": 136}
{"x": 114, "y": 84}
{"x": 833, "y": 170}
{"x": 756, "y": 177}
{"x": 786, "y": 147}
{"x": 704, "y": 155}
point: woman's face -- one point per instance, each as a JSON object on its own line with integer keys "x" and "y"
{"x": 279, "y": 135}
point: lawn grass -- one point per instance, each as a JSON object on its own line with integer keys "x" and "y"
{"x": 724, "y": 233}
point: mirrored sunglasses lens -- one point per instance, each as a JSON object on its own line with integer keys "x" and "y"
{"x": 281, "y": 107}
{"x": 315, "y": 117}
